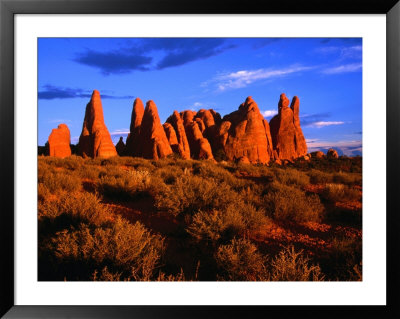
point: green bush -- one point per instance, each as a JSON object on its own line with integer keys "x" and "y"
{"x": 292, "y": 204}
{"x": 240, "y": 261}
{"x": 128, "y": 251}
{"x": 289, "y": 176}
{"x": 319, "y": 177}
{"x": 340, "y": 193}
{"x": 190, "y": 194}
{"x": 128, "y": 185}
{"x": 290, "y": 265}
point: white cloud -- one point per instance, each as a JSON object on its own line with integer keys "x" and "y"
{"x": 350, "y": 148}
{"x": 59, "y": 121}
{"x": 243, "y": 78}
{"x": 353, "y": 67}
{"x": 120, "y": 132}
{"x": 269, "y": 113}
{"x": 320, "y": 124}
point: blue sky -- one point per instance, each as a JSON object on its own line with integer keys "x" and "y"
{"x": 195, "y": 73}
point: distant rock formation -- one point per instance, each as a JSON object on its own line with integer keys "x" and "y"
{"x": 121, "y": 147}
{"x": 152, "y": 141}
{"x": 332, "y": 153}
{"x": 95, "y": 140}
{"x": 287, "y": 137}
{"x": 133, "y": 140}
{"x": 318, "y": 154}
{"x": 200, "y": 147}
{"x": 58, "y": 143}
{"x": 245, "y": 135}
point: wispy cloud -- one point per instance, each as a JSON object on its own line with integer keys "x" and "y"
{"x": 350, "y": 148}
{"x": 50, "y": 92}
{"x": 320, "y": 124}
{"x": 352, "y": 52}
{"x": 269, "y": 113}
{"x": 243, "y": 78}
{"x": 59, "y": 121}
{"x": 123, "y": 131}
{"x": 346, "y": 68}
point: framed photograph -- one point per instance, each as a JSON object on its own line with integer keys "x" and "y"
{"x": 175, "y": 159}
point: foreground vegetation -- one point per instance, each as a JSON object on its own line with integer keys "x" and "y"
{"x": 134, "y": 219}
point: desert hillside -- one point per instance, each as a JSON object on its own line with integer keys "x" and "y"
{"x": 130, "y": 218}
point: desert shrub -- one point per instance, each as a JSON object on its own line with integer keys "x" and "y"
{"x": 292, "y": 204}
{"x": 189, "y": 194}
{"x": 290, "y": 265}
{"x": 73, "y": 162}
{"x": 73, "y": 209}
{"x": 211, "y": 170}
{"x": 240, "y": 261}
{"x": 124, "y": 186}
{"x": 214, "y": 226}
{"x": 91, "y": 172}
{"x": 319, "y": 177}
{"x": 128, "y": 251}
{"x": 43, "y": 192}
{"x": 343, "y": 260}
{"x": 347, "y": 178}
{"x": 290, "y": 176}
{"x": 340, "y": 193}
{"x": 225, "y": 224}
{"x": 58, "y": 180}
{"x": 169, "y": 174}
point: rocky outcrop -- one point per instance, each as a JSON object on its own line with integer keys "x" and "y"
{"x": 95, "y": 140}
{"x": 200, "y": 147}
{"x": 332, "y": 153}
{"x": 121, "y": 147}
{"x": 318, "y": 154}
{"x": 132, "y": 141}
{"x": 152, "y": 140}
{"x": 287, "y": 136}
{"x": 58, "y": 143}
{"x": 183, "y": 148}
{"x": 245, "y": 133}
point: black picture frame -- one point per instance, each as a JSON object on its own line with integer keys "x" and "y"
{"x": 8, "y": 9}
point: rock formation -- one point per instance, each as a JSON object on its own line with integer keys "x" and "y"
{"x": 58, "y": 144}
{"x": 287, "y": 136}
{"x": 200, "y": 147}
{"x": 245, "y": 133}
{"x": 332, "y": 153}
{"x": 152, "y": 140}
{"x": 176, "y": 122}
{"x": 318, "y": 154}
{"x": 132, "y": 141}
{"x": 121, "y": 147}
{"x": 95, "y": 140}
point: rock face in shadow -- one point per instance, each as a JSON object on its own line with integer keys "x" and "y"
{"x": 58, "y": 144}
{"x": 244, "y": 135}
{"x": 176, "y": 122}
{"x": 287, "y": 136}
{"x": 95, "y": 140}
{"x": 121, "y": 147}
{"x": 152, "y": 140}
{"x": 132, "y": 141}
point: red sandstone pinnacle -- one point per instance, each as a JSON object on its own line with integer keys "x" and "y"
{"x": 59, "y": 142}
{"x": 153, "y": 142}
{"x": 287, "y": 137}
{"x": 247, "y": 135}
{"x": 200, "y": 147}
{"x": 183, "y": 148}
{"x": 95, "y": 140}
{"x": 132, "y": 141}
